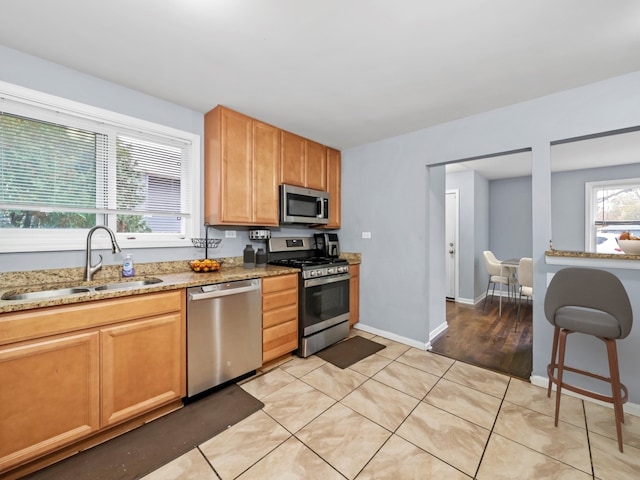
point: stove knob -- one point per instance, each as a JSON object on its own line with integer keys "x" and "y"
{"x": 313, "y": 273}
{"x": 331, "y": 270}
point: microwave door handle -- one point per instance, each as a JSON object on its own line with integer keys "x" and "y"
{"x": 320, "y": 208}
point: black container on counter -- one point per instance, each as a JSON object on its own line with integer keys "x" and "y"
{"x": 249, "y": 257}
{"x": 261, "y": 258}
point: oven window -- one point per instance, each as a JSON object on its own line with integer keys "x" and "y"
{"x": 323, "y": 302}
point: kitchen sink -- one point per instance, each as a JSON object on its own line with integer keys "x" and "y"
{"x": 128, "y": 285}
{"x": 63, "y": 292}
{"x": 44, "y": 294}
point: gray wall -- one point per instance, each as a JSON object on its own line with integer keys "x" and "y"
{"x": 510, "y": 221}
{"x": 567, "y": 196}
{"x": 402, "y": 291}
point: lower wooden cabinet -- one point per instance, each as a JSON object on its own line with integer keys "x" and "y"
{"x": 279, "y": 316}
{"x": 49, "y": 395}
{"x": 354, "y": 294}
{"x": 140, "y": 366}
{"x": 121, "y": 359}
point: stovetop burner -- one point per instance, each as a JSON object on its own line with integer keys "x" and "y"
{"x": 300, "y": 252}
{"x": 308, "y": 262}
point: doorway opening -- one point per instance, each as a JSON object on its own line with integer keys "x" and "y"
{"x": 493, "y": 211}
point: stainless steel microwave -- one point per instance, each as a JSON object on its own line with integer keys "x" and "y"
{"x": 303, "y": 205}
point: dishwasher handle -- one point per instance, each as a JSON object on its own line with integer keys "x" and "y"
{"x": 225, "y": 289}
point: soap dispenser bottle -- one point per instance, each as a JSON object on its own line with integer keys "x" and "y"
{"x": 127, "y": 266}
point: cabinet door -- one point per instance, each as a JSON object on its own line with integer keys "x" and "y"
{"x": 142, "y": 364}
{"x": 49, "y": 395}
{"x": 236, "y": 168}
{"x": 266, "y": 173}
{"x": 315, "y": 165}
{"x": 354, "y": 294}
{"x": 334, "y": 175}
{"x": 292, "y": 166}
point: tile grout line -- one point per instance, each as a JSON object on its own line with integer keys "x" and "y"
{"x": 495, "y": 420}
{"x": 586, "y": 427}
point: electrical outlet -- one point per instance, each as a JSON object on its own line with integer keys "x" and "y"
{"x": 230, "y": 234}
{"x": 366, "y": 234}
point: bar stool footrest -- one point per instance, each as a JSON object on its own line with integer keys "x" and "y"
{"x": 587, "y": 393}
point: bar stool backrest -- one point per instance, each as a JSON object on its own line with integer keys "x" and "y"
{"x": 589, "y": 288}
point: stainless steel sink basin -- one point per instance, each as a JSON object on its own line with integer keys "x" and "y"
{"x": 128, "y": 285}
{"x": 63, "y": 292}
{"x": 44, "y": 294}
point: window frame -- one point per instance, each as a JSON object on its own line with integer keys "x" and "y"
{"x": 590, "y": 232}
{"x": 43, "y": 106}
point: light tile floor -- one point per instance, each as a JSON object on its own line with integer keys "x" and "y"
{"x": 402, "y": 414}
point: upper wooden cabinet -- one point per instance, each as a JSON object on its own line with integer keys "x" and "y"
{"x": 242, "y": 167}
{"x": 303, "y": 162}
{"x": 315, "y": 165}
{"x": 334, "y": 173}
{"x": 292, "y": 160}
{"x": 245, "y": 161}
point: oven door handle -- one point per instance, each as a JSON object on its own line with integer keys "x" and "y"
{"x": 314, "y": 282}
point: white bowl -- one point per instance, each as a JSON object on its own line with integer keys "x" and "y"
{"x": 630, "y": 247}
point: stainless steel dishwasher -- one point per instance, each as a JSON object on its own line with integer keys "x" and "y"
{"x": 224, "y": 333}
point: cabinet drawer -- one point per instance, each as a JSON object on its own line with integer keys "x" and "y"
{"x": 279, "y": 315}
{"x": 279, "y": 299}
{"x": 282, "y": 282}
{"x": 15, "y": 327}
{"x": 279, "y": 340}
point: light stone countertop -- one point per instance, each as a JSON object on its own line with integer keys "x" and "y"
{"x": 570, "y": 258}
{"x": 174, "y": 275}
{"x": 578, "y": 254}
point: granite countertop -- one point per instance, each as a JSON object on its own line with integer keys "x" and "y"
{"x": 174, "y": 275}
{"x": 579, "y": 254}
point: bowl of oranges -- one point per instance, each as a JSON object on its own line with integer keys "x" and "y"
{"x": 207, "y": 265}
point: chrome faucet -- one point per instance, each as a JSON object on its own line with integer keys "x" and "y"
{"x": 115, "y": 248}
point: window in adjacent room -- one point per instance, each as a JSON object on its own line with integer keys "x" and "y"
{"x": 66, "y": 167}
{"x": 612, "y": 207}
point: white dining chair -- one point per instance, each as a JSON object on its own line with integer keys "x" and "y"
{"x": 497, "y": 275}
{"x": 525, "y": 280}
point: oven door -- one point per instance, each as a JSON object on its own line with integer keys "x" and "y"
{"x": 324, "y": 302}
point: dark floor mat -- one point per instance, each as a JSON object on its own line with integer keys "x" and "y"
{"x": 350, "y": 351}
{"x": 154, "y": 444}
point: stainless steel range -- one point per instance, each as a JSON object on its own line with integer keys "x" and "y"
{"x": 323, "y": 289}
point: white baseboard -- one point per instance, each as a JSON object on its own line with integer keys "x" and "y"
{"x": 465, "y": 301}
{"x": 630, "y": 408}
{"x": 392, "y": 336}
{"x": 437, "y": 331}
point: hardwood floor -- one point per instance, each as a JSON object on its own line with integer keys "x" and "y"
{"x": 481, "y": 337}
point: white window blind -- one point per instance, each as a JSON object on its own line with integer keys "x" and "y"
{"x": 65, "y": 172}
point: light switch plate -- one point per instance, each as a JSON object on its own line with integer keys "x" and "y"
{"x": 230, "y": 234}
{"x": 366, "y": 234}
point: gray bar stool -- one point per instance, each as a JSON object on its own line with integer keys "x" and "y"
{"x": 593, "y": 302}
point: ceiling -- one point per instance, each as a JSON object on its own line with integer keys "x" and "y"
{"x": 615, "y": 148}
{"x": 342, "y": 72}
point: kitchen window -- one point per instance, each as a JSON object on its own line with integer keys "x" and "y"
{"x": 67, "y": 167}
{"x": 612, "y": 207}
